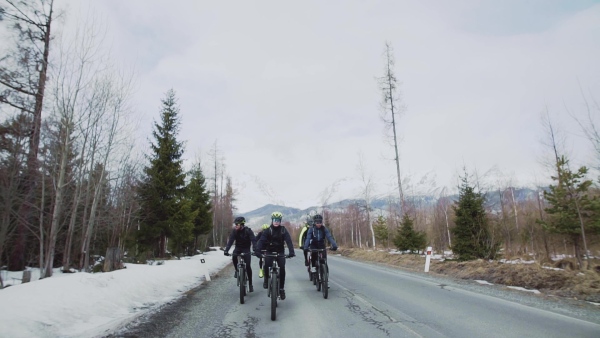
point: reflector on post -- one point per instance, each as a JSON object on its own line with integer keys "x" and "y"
{"x": 427, "y": 259}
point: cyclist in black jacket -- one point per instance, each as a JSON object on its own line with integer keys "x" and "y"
{"x": 243, "y": 238}
{"x": 273, "y": 240}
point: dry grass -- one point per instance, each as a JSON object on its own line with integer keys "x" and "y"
{"x": 572, "y": 283}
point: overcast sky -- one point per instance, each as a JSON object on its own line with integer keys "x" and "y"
{"x": 289, "y": 90}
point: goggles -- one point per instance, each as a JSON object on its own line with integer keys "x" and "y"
{"x": 277, "y": 220}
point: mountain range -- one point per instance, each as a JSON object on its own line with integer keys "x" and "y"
{"x": 379, "y": 206}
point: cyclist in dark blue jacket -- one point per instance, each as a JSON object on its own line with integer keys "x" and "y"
{"x": 315, "y": 239}
{"x": 243, "y": 238}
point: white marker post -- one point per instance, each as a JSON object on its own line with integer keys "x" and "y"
{"x": 206, "y": 274}
{"x": 427, "y": 259}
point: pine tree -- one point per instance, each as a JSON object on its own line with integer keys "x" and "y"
{"x": 200, "y": 198}
{"x": 381, "y": 230}
{"x": 471, "y": 234}
{"x": 407, "y": 238}
{"x": 164, "y": 212}
{"x": 571, "y": 207}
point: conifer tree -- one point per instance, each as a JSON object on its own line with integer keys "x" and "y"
{"x": 200, "y": 198}
{"x": 471, "y": 234}
{"x": 165, "y": 212}
{"x": 571, "y": 207}
{"x": 381, "y": 230}
{"x": 407, "y": 238}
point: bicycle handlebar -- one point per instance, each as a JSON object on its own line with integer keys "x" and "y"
{"x": 241, "y": 254}
{"x": 275, "y": 254}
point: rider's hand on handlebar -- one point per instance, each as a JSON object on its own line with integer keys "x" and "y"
{"x": 334, "y": 248}
{"x": 226, "y": 253}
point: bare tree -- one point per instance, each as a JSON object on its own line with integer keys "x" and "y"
{"x": 23, "y": 74}
{"x": 78, "y": 65}
{"x": 392, "y": 107}
{"x": 589, "y": 125}
{"x": 115, "y": 91}
{"x": 367, "y": 192}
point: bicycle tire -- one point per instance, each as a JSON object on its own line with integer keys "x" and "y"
{"x": 274, "y": 294}
{"x": 242, "y": 282}
{"x": 325, "y": 280}
{"x": 319, "y": 276}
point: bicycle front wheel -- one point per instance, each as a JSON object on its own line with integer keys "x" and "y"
{"x": 242, "y": 282}
{"x": 319, "y": 277}
{"x": 274, "y": 295}
{"x": 325, "y": 280}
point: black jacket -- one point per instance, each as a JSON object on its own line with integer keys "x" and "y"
{"x": 243, "y": 238}
{"x": 273, "y": 240}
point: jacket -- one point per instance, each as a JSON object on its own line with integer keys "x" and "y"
{"x": 302, "y": 237}
{"x": 316, "y": 238}
{"x": 243, "y": 238}
{"x": 273, "y": 239}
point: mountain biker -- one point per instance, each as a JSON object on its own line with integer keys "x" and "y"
{"x": 302, "y": 238}
{"x": 243, "y": 238}
{"x": 315, "y": 239}
{"x": 272, "y": 240}
{"x": 260, "y": 261}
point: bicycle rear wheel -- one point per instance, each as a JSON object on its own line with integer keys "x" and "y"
{"x": 325, "y": 280}
{"x": 242, "y": 282}
{"x": 274, "y": 294}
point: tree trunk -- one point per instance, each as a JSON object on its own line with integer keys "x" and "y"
{"x": 112, "y": 260}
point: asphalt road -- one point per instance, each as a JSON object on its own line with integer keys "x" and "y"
{"x": 365, "y": 300}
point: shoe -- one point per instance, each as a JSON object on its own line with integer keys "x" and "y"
{"x": 282, "y": 294}
{"x": 313, "y": 269}
{"x": 305, "y": 263}
{"x": 260, "y": 273}
{"x": 251, "y": 288}
{"x": 265, "y": 284}
{"x": 235, "y": 275}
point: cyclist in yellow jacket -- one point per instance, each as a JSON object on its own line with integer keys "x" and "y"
{"x": 302, "y": 239}
{"x": 261, "y": 273}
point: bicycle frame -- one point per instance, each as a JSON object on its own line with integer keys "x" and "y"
{"x": 273, "y": 290}
{"x": 321, "y": 275}
{"x": 242, "y": 280}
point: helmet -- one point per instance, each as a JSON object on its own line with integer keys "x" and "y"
{"x": 318, "y": 218}
{"x": 309, "y": 221}
{"x": 265, "y": 226}
{"x": 276, "y": 214}
{"x": 239, "y": 220}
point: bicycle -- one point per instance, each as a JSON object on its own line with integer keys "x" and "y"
{"x": 242, "y": 279}
{"x": 321, "y": 275}
{"x": 273, "y": 289}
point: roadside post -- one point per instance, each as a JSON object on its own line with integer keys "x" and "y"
{"x": 206, "y": 274}
{"x": 428, "y": 259}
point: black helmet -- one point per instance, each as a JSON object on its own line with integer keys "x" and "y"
{"x": 318, "y": 218}
{"x": 239, "y": 220}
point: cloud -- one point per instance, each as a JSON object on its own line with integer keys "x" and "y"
{"x": 290, "y": 91}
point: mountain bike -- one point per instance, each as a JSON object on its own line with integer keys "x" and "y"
{"x": 273, "y": 290}
{"x": 242, "y": 279}
{"x": 321, "y": 275}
